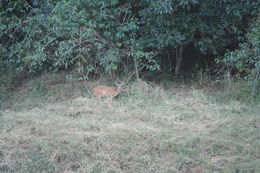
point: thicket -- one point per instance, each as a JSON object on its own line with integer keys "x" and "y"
{"x": 117, "y": 36}
{"x": 245, "y": 61}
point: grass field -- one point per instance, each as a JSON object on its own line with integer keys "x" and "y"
{"x": 55, "y": 126}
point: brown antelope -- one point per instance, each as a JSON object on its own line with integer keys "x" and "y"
{"x": 107, "y": 91}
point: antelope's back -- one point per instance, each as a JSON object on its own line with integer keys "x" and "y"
{"x": 100, "y": 91}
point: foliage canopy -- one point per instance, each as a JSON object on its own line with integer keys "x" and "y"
{"x": 115, "y": 36}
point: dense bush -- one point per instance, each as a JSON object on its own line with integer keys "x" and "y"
{"x": 7, "y": 80}
{"x": 105, "y": 35}
{"x": 115, "y": 36}
{"x": 89, "y": 35}
{"x": 245, "y": 61}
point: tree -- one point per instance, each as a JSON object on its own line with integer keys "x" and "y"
{"x": 210, "y": 26}
{"x": 112, "y": 35}
{"x": 245, "y": 61}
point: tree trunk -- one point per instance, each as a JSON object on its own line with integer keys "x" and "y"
{"x": 179, "y": 56}
{"x": 136, "y": 69}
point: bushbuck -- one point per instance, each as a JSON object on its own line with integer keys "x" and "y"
{"x": 107, "y": 91}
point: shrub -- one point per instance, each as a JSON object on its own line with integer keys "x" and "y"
{"x": 6, "y": 81}
{"x": 245, "y": 61}
{"x": 93, "y": 36}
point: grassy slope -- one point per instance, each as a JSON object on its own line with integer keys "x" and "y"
{"x": 54, "y": 127}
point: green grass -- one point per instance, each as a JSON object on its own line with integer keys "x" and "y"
{"x": 56, "y": 127}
